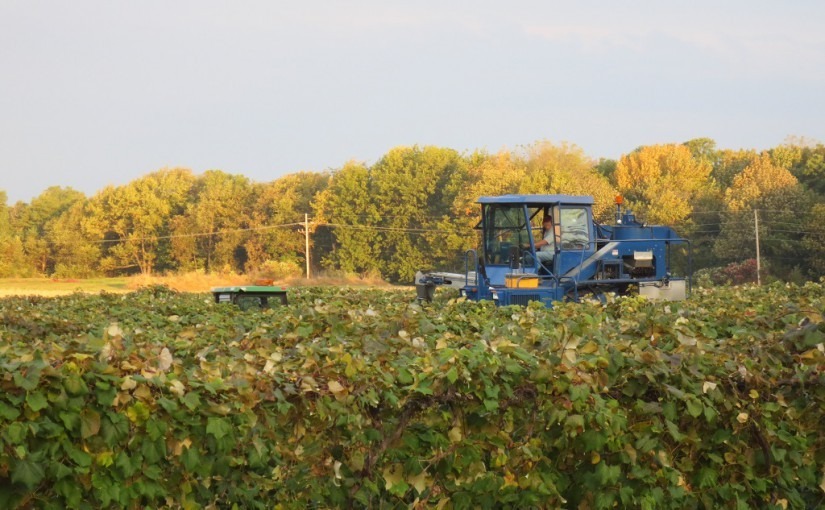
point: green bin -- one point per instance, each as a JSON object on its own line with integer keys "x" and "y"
{"x": 251, "y": 296}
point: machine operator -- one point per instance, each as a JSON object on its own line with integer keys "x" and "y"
{"x": 547, "y": 245}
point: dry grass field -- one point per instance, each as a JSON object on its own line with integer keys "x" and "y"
{"x": 188, "y": 282}
{"x": 59, "y": 287}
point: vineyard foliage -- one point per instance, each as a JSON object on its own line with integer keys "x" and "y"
{"x": 364, "y": 398}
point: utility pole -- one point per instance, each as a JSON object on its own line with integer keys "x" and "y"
{"x": 306, "y": 241}
{"x": 758, "y": 261}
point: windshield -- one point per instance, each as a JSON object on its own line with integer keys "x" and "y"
{"x": 506, "y": 231}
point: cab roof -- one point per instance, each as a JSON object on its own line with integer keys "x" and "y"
{"x": 538, "y": 199}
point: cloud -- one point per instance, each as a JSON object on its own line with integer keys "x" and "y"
{"x": 746, "y": 49}
{"x": 591, "y": 37}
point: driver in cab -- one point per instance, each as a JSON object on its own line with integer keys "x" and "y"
{"x": 546, "y": 247}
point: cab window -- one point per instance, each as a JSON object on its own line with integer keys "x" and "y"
{"x": 575, "y": 234}
{"x": 506, "y": 231}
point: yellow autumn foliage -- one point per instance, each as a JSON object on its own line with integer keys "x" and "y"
{"x": 662, "y": 181}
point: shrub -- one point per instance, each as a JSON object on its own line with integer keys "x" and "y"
{"x": 364, "y": 398}
{"x": 278, "y": 270}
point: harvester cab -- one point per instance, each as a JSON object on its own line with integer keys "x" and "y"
{"x": 549, "y": 248}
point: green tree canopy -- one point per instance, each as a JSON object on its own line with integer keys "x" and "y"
{"x": 814, "y": 240}
{"x": 33, "y": 221}
{"x": 416, "y": 189}
{"x": 703, "y": 150}
{"x": 781, "y": 203}
{"x": 729, "y": 164}
{"x": 396, "y": 216}
{"x": 133, "y": 218}
{"x": 805, "y": 160}
{"x": 5, "y": 223}
{"x": 209, "y": 234}
{"x": 75, "y": 242}
{"x": 350, "y": 201}
{"x": 281, "y": 202}
{"x": 11, "y": 247}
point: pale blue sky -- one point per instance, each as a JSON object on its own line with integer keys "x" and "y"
{"x": 97, "y": 93}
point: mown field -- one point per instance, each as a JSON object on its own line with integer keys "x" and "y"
{"x": 59, "y": 286}
{"x": 184, "y": 282}
{"x": 365, "y": 398}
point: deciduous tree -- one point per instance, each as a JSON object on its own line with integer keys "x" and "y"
{"x": 814, "y": 240}
{"x": 75, "y": 243}
{"x": 33, "y": 222}
{"x": 11, "y": 247}
{"x": 729, "y": 164}
{"x": 348, "y": 207}
{"x": 780, "y": 201}
{"x": 565, "y": 169}
{"x": 416, "y": 188}
{"x": 210, "y": 234}
{"x": 280, "y": 202}
{"x": 662, "y": 182}
{"x": 134, "y": 219}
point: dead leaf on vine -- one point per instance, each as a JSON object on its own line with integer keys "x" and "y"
{"x": 177, "y": 388}
{"x": 308, "y": 384}
{"x": 336, "y": 387}
{"x": 420, "y": 481}
{"x": 164, "y": 360}
{"x": 128, "y": 384}
{"x": 393, "y": 475}
{"x": 114, "y": 330}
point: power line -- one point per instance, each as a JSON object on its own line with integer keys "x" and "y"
{"x": 395, "y": 229}
{"x": 416, "y": 216}
{"x": 196, "y": 234}
{"x": 793, "y": 231}
{"x": 283, "y": 225}
{"x": 463, "y": 232}
{"x": 748, "y": 211}
{"x": 795, "y": 224}
{"x": 697, "y": 224}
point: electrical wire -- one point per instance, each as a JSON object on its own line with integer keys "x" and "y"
{"x": 197, "y": 234}
{"x": 283, "y": 225}
{"x": 395, "y": 229}
{"x": 768, "y": 222}
{"x": 793, "y": 231}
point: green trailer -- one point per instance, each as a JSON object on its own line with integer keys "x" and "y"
{"x": 250, "y": 296}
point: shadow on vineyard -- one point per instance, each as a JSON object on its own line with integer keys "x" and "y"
{"x": 364, "y": 398}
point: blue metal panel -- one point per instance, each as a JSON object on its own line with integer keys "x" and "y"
{"x": 570, "y": 259}
{"x": 496, "y": 274}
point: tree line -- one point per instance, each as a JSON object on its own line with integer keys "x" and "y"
{"x": 415, "y": 209}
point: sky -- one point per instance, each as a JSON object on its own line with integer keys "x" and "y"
{"x": 97, "y": 93}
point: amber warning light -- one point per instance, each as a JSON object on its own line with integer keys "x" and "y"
{"x": 619, "y": 200}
